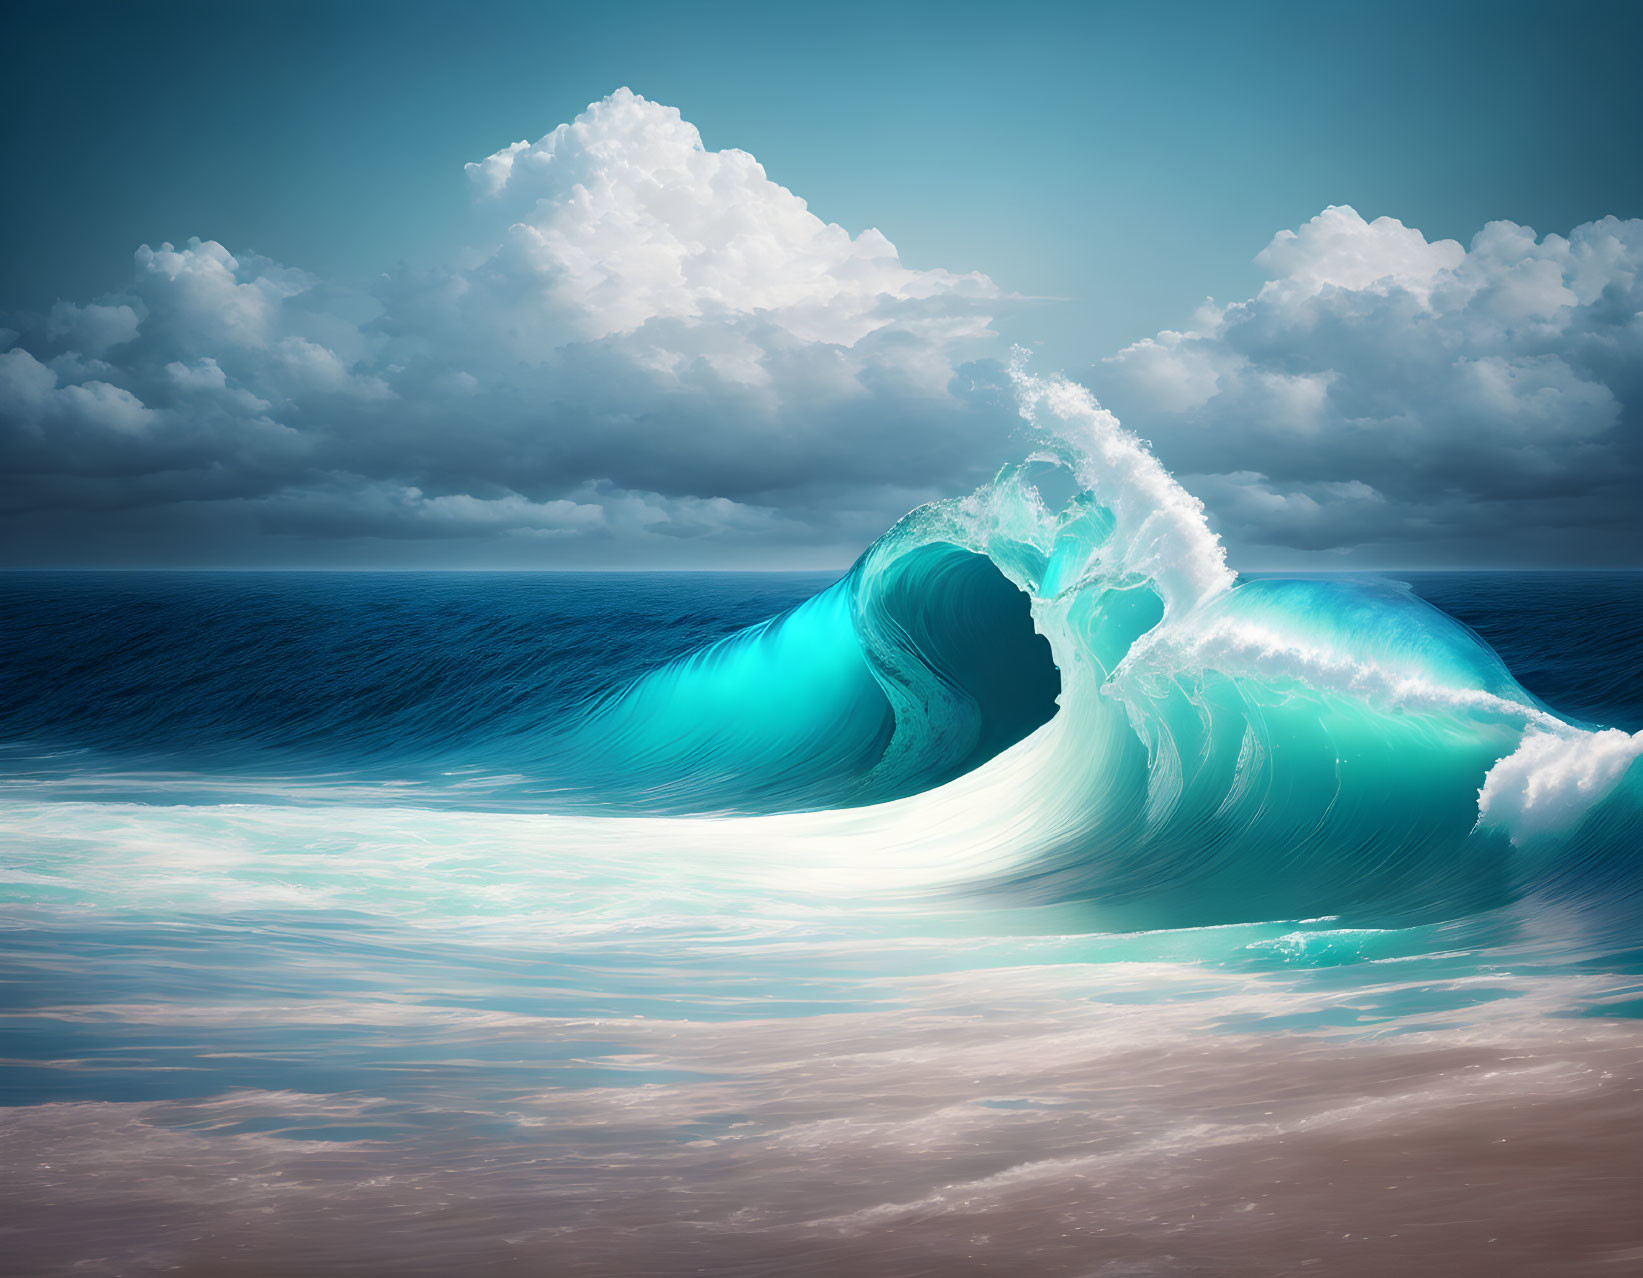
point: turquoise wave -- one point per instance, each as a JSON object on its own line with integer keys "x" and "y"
{"x": 1088, "y": 704}
{"x": 918, "y": 666}
{"x": 1053, "y": 689}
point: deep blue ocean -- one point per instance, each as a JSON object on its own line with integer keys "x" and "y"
{"x": 446, "y": 681}
{"x": 422, "y": 677}
{"x": 926, "y": 922}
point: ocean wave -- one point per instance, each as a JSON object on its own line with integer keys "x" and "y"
{"x": 1051, "y": 689}
{"x": 1085, "y": 701}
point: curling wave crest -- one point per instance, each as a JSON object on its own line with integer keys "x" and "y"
{"x": 1077, "y": 698}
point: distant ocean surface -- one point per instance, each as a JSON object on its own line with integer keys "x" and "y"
{"x": 988, "y": 911}
{"x": 148, "y": 678}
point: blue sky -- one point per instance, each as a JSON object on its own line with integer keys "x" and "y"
{"x": 1120, "y": 163}
{"x": 1130, "y": 158}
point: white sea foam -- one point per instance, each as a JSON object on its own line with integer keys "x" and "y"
{"x": 1161, "y": 529}
{"x": 1554, "y": 778}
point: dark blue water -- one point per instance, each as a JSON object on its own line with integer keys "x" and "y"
{"x": 1574, "y": 639}
{"x": 412, "y": 675}
{"x": 404, "y": 676}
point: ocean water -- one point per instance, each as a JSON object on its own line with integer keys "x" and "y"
{"x": 1040, "y": 897}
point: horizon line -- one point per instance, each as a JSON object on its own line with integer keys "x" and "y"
{"x": 636, "y": 571}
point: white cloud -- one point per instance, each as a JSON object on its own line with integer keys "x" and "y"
{"x": 25, "y": 383}
{"x": 1488, "y": 395}
{"x": 206, "y": 377}
{"x": 93, "y": 329}
{"x": 1338, "y": 249}
{"x": 625, "y": 217}
{"x": 203, "y": 374}
{"x": 647, "y": 342}
{"x": 31, "y": 398}
{"x": 206, "y": 293}
{"x": 317, "y": 368}
{"x": 109, "y": 407}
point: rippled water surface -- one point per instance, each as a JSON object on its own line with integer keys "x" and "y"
{"x": 382, "y": 923}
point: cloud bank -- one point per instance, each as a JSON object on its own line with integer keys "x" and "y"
{"x": 1410, "y": 400}
{"x": 655, "y": 354}
{"x": 649, "y": 353}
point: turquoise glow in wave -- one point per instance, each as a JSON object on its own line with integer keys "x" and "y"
{"x": 1010, "y": 698}
{"x": 1077, "y": 700}
{"x": 894, "y": 680}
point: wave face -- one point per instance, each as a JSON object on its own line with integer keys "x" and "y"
{"x": 1015, "y": 695}
{"x": 921, "y": 664}
{"x": 1130, "y": 724}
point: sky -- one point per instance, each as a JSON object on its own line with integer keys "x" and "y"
{"x": 278, "y": 293}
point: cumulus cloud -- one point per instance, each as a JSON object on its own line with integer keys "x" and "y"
{"x": 92, "y": 329}
{"x": 32, "y": 399}
{"x": 625, "y": 217}
{"x": 646, "y": 343}
{"x": 648, "y": 352}
{"x": 1409, "y": 399}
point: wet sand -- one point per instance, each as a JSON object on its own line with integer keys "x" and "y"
{"x": 1006, "y": 1122}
